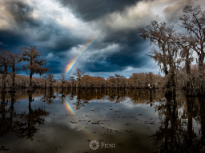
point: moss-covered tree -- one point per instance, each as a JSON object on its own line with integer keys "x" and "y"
{"x": 35, "y": 66}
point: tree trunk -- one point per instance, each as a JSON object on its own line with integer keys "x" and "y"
{"x": 187, "y": 64}
{"x": 190, "y": 102}
{"x": 3, "y": 79}
{"x": 201, "y": 61}
{"x": 170, "y": 85}
{"x": 13, "y": 77}
{"x": 45, "y": 84}
{"x": 202, "y": 115}
{"x": 30, "y": 83}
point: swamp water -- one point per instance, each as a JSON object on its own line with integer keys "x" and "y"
{"x": 121, "y": 121}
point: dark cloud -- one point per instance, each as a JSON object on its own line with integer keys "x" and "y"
{"x": 115, "y": 63}
{"x": 128, "y": 37}
{"x": 12, "y": 41}
{"x": 29, "y": 31}
{"x": 132, "y": 53}
{"x": 89, "y": 10}
{"x": 129, "y": 54}
{"x": 22, "y": 13}
{"x": 54, "y": 67}
{"x": 50, "y": 37}
{"x": 65, "y": 43}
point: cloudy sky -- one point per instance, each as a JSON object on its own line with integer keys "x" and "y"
{"x": 61, "y": 28}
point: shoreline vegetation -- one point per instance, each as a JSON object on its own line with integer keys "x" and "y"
{"x": 174, "y": 56}
{"x": 48, "y": 95}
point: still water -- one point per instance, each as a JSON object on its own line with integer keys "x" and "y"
{"x": 80, "y": 121}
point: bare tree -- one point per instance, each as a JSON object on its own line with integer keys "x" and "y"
{"x": 14, "y": 59}
{"x": 194, "y": 21}
{"x": 122, "y": 81}
{"x": 4, "y": 66}
{"x": 135, "y": 78}
{"x": 118, "y": 79}
{"x": 72, "y": 81}
{"x": 166, "y": 57}
{"x": 111, "y": 81}
{"x": 158, "y": 35}
{"x": 79, "y": 74}
{"x": 184, "y": 42}
{"x": 62, "y": 79}
{"x": 35, "y": 65}
{"x": 50, "y": 80}
{"x": 45, "y": 80}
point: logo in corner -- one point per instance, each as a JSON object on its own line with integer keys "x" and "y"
{"x": 94, "y": 145}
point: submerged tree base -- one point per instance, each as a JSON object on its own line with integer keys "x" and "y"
{"x": 12, "y": 91}
{"x": 3, "y": 91}
{"x": 195, "y": 95}
{"x": 30, "y": 90}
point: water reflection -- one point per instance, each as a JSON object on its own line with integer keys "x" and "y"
{"x": 176, "y": 131}
{"x": 123, "y": 117}
{"x": 48, "y": 96}
{"x": 23, "y": 124}
{"x": 117, "y": 95}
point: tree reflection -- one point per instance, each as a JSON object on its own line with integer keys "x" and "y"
{"x": 27, "y": 127}
{"x": 150, "y": 95}
{"x": 4, "y": 121}
{"x": 176, "y": 131}
{"x": 114, "y": 95}
{"x": 78, "y": 103}
{"x": 48, "y": 96}
{"x": 23, "y": 124}
{"x": 202, "y": 116}
{"x": 62, "y": 97}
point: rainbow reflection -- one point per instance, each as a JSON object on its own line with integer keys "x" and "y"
{"x": 70, "y": 109}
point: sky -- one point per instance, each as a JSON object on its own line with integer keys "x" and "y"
{"x": 61, "y": 29}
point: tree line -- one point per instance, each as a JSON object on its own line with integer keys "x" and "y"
{"x": 175, "y": 51}
{"x": 136, "y": 80}
{"x": 29, "y": 57}
{"x": 9, "y": 65}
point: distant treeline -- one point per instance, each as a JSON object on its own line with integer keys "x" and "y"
{"x": 137, "y": 80}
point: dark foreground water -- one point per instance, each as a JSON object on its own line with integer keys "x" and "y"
{"x": 121, "y": 121}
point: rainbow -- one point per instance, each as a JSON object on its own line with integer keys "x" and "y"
{"x": 72, "y": 64}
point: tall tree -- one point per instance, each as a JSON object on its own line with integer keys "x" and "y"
{"x": 14, "y": 59}
{"x": 166, "y": 56}
{"x": 50, "y": 80}
{"x": 194, "y": 21}
{"x": 72, "y": 81}
{"x": 79, "y": 74}
{"x": 135, "y": 78}
{"x": 62, "y": 79}
{"x": 184, "y": 41}
{"x": 160, "y": 34}
{"x": 118, "y": 79}
{"x": 45, "y": 81}
{"x": 4, "y": 66}
{"x": 35, "y": 65}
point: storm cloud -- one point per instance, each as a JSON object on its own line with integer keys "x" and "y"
{"x": 89, "y": 10}
{"x": 61, "y": 28}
